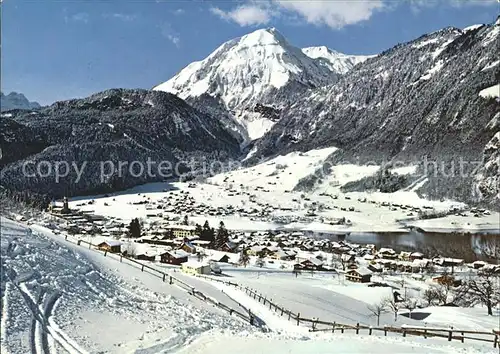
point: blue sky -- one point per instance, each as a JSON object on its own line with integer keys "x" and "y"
{"x": 54, "y": 50}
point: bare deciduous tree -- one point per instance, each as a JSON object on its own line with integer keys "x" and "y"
{"x": 393, "y": 306}
{"x": 377, "y": 309}
{"x": 436, "y": 294}
{"x": 484, "y": 289}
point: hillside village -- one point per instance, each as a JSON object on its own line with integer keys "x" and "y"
{"x": 212, "y": 249}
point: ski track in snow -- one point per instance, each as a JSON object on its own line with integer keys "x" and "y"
{"x": 58, "y": 285}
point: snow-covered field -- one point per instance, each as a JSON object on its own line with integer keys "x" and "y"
{"x": 65, "y": 298}
{"x": 270, "y": 184}
{"x": 58, "y": 297}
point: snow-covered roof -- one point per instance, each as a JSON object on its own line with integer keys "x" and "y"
{"x": 200, "y": 242}
{"x": 112, "y": 243}
{"x": 362, "y": 271}
{"x": 315, "y": 261}
{"x": 178, "y": 254}
{"x": 181, "y": 227}
{"x": 195, "y": 264}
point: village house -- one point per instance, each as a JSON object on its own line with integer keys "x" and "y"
{"x": 347, "y": 260}
{"x": 110, "y": 246}
{"x": 404, "y": 266}
{"x": 146, "y": 256}
{"x": 221, "y": 259}
{"x": 404, "y": 256}
{"x": 229, "y": 247}
{"x": 376, "y": 268}
{"x": 282, "y": 255}
{"x": 195, "y": 268}
{"x": 254, "y": 250}
{"x": 176, "y": 257}
{"x": 182, "y": 230}
{"x": 188, "y": 247}
{"x": 387, "y": 253}
{"x": 447, "y": 280}
{"x": 309, "y": 264}
{"x": 448, "y": 262}
{"x": 419, "y": 265}
{"x": 360, "y": 275}
{"x": 416, "y": 255}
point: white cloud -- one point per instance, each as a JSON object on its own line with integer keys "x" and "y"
{"x": 178, "y": 12}
{"x": 418, "y": 5}
{"x": 459, "y": 3}
{"x": 121, "y": 17}
{"x": 78, "y": 17}
{"x": 245, "y": 15}
{"x": 335, "y": 14}
{"x": 124, "y": 17}
{"x": 168, "y": 32}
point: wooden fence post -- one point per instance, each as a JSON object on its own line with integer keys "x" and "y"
{"x": 404, "y": 332}
{"x": 495, "y": 341}
{"x": 342, "y": 329}
{"x": 79, "y": 242}
{"x": 142, "y": 268}
{"x": 105, "y": 253}
{"x": 164, "y": 277}
{"x": 425, "y": 333}
{"x": 298, "y": 318}
{"x": 270, "y": 303}
{"x": 121, "y": 258}
{"x": 333, "y": 327}
{"x": 462, "y": 337}
{"x": 90, "y": 244}
{"x": 282, "y": 311}
{"x": 66, "y": 237}
{"x": 370, "y": 331}
{"x": 385, "y": 331}
{"x": 357, "y": 328}
{"x": 449, "y": 335}
{"x": 171, "y": 282}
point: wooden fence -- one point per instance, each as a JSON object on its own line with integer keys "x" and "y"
{"x": 248, "y": 317}
{"x": 448, "y": 333}
{"x": 315, "y": 323}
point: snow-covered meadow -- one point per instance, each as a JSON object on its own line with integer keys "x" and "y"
{"x": 58, "y": 297}
{"x": 270, "y": 184}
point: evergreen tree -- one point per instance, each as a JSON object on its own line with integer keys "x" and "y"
{"x": 244, "y": 258}
{"x": 134, "y": 228}
{"x": 222, "y": 236}
{"x": 199, "y": 230}
{"x": 260, "y": 261}
{"x": 186, "y": 220}
{"x": 207, "y": 233}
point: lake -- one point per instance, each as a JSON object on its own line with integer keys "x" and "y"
{"x": 468, "y": 246}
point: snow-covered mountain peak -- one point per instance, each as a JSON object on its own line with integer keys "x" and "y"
{"x": 335, "y": 61}
{"x": 320, "y": 51}
{"x": 260, "y": 68}
{"x": 266, "y": 36}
